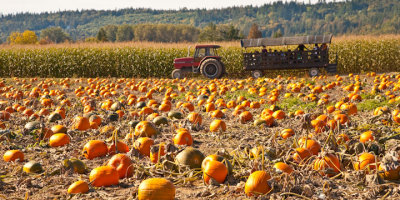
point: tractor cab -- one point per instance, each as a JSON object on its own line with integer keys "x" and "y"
{"x": 205, "y": 61}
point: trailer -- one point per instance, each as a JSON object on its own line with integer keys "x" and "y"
{"x": 300, "y": 58}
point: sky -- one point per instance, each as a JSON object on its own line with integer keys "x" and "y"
{"x": 37, "y": 6}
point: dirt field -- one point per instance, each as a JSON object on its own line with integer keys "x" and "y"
{"x": 238, "y": 143}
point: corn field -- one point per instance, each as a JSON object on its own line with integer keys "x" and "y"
{"x": 354, "y": 55}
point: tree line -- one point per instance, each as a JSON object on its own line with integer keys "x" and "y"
{"x": 139, "y": 32}
{"x": 287, "y": 18}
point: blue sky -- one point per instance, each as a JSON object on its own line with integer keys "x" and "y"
{"x": 37, "y": 6}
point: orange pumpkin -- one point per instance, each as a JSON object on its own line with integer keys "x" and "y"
{"x": 365, "y": 160}
{"x": 183, "y": 137}
{"x": 257, "y": 183}
{"x": 145, "y": 128}
{"x": 143, "y": 145}
{"x": 328, "y": 161}
{"x": 78, "y": 187}
{"x": 104, "y": 176}
{"x": 216, "y": 170}
{"x": 286, "y": 133}
{"x": 94, "y": 149}
{"x": 123, "y": 164}
{"x": 283, "y": 167}
{"x": 366, "y": 136}
{"x": 156, "y": 189}
{"x": 217, "y": 125}
{"x": 155, "y": 150}
{"x": 195, "y": 118}
{"x": 121, "y": 147}
{"x": 13, "y": 155}
{"x": 59, "y": 139}
{"x": 4, "y": 115}
{"x": 279, "y": 114}
{"x": 245, "y": 117}
{"x": 301, "y": 154}
{"x": 81, "y": 123}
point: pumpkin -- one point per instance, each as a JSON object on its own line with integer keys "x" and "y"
{"x": 245, "y": 116}
{"x": 104, "y": 176}
{"x": 283, "y": 167}
{"x": 301, "y": 154}
{"x": 123, "y": 164}
{"x": 155, "y": 150}
{"x": 329, "y": 161}
{"x": 96, "y": 119}
{"x": 59, "y": 139}
{"x": 279, "y": 114}
{"x": 365, "y": 160}
{"x": 156, "y": 189}
{"x": 32, "y": 167}
{"x": 183, "y": 137}
{"x": 366, "y": 136}
{"x": 13, "y": 155}
{"x": 286, "y": 133}
{"x": 225, "y": 161}
{"x": 175, "y": 115}
{"x": 217, "y": 114}
{"x": 190, "y": 157}
{"x": 75, "y": 164}
{"x": 143, "y": 145}
{"x": 81, "y": 123}
{"x": 160, "y": 120}
{"x": 78, "y": 187}
{"x": 342, "y": 118}
{"x": 121, "y": 147}
{"x": 94, "y": 149}
{"x": 257, "y": 183}
{"x": 312, "y": 145}
{"x": 389, "y": 173}
{"x": 216, "y": 170}
{"x": 4, "y": 115}
{"x": 145, "y": 129}
{"x": 217, "y": 125}
{"x": 195, "y": 118}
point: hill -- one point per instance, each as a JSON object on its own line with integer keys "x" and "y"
{"x": 348, "y": 17}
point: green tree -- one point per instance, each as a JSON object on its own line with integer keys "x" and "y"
{"x": 111, "y": 32}
{"x": 254, "y": 32}
{"x": 124, "y": 33}
{"x": 91, "y": 40}
{"x": 101, "y": 35}
{"x": 54, "y": 34}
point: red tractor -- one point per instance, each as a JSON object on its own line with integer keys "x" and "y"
{"x": 205, "y": 61}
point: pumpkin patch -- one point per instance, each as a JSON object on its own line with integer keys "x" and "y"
{"x": 282, "y": 137}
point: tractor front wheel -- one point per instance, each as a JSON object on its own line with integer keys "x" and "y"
{"x": 211, "y": 68}
{"x": 177, "y": 74}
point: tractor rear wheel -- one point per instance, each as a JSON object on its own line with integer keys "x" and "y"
{"x": 256, "y": 74}
{"x": 211, "y": 68}
{"x": 177, "y": 74}
{"x": 314, "y": 72}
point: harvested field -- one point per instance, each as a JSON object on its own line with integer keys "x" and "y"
{"x": 329, "y": 117}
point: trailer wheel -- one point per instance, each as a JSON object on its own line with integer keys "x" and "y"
{"x": 256, "y": 74}
{"x": 314, "y": 72}
{"x": 177, "y": 74}
{"x": 211, "y": 68}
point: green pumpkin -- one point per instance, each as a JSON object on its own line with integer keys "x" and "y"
{"x": 175, "y": 115}
{"x": 160, "y": 120}
{"x": 190, "y": 157}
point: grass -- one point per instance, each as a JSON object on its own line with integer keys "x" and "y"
{"x": 371, "y": 104}
{"x": 294, "y": 103}
{"x": 236, "y": 94}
